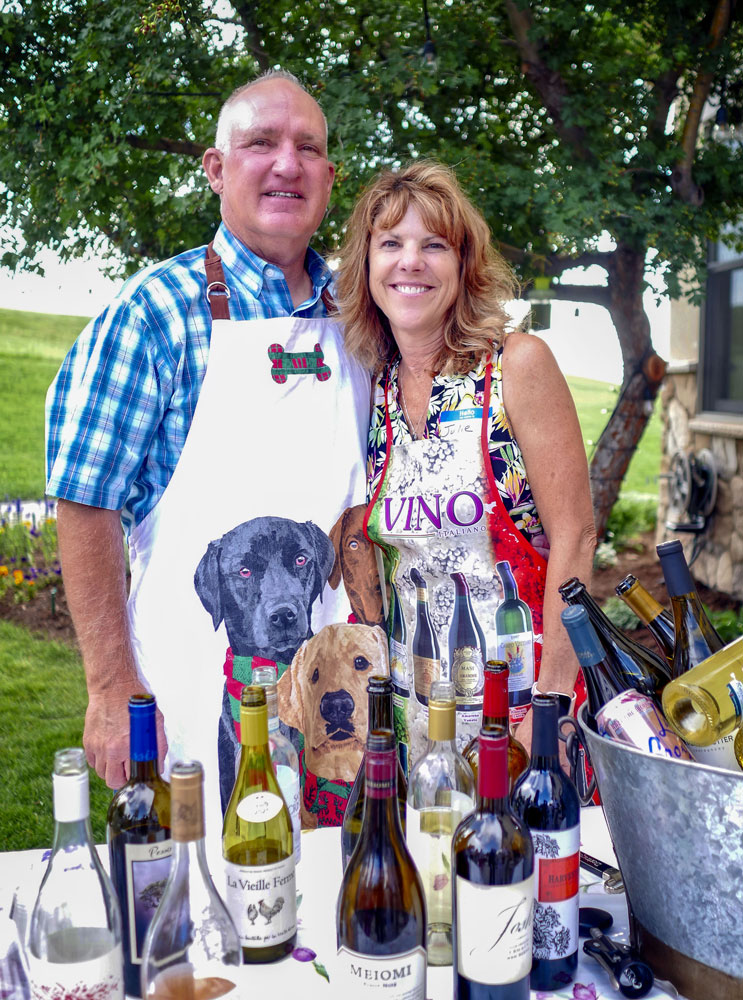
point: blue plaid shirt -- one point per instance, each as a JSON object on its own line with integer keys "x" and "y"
{"x": 119, "y": 410}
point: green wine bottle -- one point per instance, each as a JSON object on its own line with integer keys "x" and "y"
{"x": 515, "y": 644}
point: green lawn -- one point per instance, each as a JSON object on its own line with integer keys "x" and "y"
{"x": 42, "y": 708}
{"x": 32, "y": 346}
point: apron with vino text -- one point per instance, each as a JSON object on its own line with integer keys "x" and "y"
{"x": 465, "y": 585}
{"x": 236, "y": 564}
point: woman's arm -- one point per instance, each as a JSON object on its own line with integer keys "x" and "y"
{"x": 543, "y": 421}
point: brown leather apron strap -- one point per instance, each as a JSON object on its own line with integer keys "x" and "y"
{"x": 217, "y": 292}
{"x": 328, "y": 301}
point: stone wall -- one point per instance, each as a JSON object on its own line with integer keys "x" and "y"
{"x": 719, "y": 563}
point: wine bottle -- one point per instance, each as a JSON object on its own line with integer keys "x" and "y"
{"x": 546, "y": 800}
{"x": 381, "y": 910}
{"x": 257, "y": 844}
{"x": 380, "y": 693}
{"x": 738, "y": 747}
{"x": 706, "y": 703}
{"x": 694, "y": 635}
{"x": 495, "y": 716}
{"x": 467, "y": 658}
{"x": 515, "y": 644}
{"x": 637, "y": 666}
{"x": 426, "y": 650}
{"x": 192, "y": 948}
{"x": 138, "y": 835}
{"x": 283, "y": 755}
{"x": 74, "y": 937}
{"x": 620, "y": 713}
{"x": 493, "y": 861}
{"x": 651, "y": 613}
{"x": 441, "y": 791}
{"x": 398, "y": 633}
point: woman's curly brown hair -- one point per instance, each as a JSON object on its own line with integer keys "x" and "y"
{"x": 477, "y": 320}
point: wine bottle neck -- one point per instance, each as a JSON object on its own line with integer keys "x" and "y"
{"x": 510, "y": 591}
{"x": 142, "y": 735}
{"x": 71, "y": 835}
{"x": 544, "y": 752}
{"x": 380, "y": 710}
{"x": 643, "y": 604}
{"x": 676, "y": 572}
{"x": 143, "y": 770}
{"x": 381, "y": 813}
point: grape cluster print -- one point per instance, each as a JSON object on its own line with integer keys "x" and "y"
{"x": 441, "y": 607}
{"x": 550, "y": 936}
{"x": 438, "y": 453}
{"x": 448, "y": 559}
{"x": 545, "y": 847}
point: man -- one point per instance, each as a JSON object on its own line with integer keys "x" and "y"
{"x": 174, "y": 415}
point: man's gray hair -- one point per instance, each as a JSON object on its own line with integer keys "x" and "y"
{"x": 227, "y": 121}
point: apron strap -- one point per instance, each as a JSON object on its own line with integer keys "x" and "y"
{"x": 380, "y": 484}
{"x": 328, "y": 300}
{"x": 217, "y": 292}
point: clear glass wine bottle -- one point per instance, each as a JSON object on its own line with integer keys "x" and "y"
{"x": 74, "y": 938}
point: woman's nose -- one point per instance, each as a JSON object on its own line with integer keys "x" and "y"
{"x": 411, "y": 257}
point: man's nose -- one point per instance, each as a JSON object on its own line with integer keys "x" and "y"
{"x": 287, "y": 159}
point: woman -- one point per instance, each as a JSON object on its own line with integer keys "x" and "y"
{"x": 475, "y": 464}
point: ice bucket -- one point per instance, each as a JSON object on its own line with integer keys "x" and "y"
{"x": 677, "y": 830}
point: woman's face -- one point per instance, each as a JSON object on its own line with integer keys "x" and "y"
{"x": 413, "y": 277}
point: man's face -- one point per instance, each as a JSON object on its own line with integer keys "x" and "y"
{"x": 275, "y": 181}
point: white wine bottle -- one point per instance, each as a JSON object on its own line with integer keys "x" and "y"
{"x": 258, "y": 844}
{"x": 381, "y": 910}
{"x": 192, "y": 949}
{"x": 283, "y": 755}
{"x": 441, "y": 791}
{"x": 705, "y": 704}
{"x": 74, "y": 938}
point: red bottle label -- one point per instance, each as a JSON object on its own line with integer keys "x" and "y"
{"x": 558, "y": 878}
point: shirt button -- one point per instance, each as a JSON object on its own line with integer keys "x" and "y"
{"x": 269, "y": 272}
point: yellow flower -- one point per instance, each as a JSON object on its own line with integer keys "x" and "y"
{"x": 3, "y": 570}
{"x": 17, "y": 577}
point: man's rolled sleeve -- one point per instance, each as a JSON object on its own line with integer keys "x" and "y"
{"x": 102, "y": 410}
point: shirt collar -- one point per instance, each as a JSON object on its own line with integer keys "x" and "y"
{"x": 255, "y": 273}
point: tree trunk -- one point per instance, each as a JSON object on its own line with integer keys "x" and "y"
{"x": 643, "y": 373}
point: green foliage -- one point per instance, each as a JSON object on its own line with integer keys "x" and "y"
{"x": 727, "y": 623}
{"x": 617, "y": 612}
{"x": 42, "y": 709}
{"x": 106, "y": 108}
{"x": 633, "y": 514}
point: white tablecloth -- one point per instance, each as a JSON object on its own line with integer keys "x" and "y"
{"x": 302, "y": 975}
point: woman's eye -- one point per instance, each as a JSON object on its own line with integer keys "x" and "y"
{"x": 244, "y": 571}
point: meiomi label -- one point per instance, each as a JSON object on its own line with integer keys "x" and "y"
{"x": 400, "y": 976}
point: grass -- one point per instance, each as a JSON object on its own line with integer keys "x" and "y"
{"x": 32, "y": 346}
{"x": 42, "y": 708}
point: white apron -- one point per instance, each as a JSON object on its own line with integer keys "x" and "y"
{"x": 264, "y": 443}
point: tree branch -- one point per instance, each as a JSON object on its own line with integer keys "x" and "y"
{"x": 555, "y": 264}
{"x": 548, "y": 84}
{"x": 596, "y": 294}
{"x": 162, "y": 145}
{"x": 682, "y": 181}
{"x": 245, "y": 12}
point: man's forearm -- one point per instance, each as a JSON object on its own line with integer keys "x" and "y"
{"x": 91, "y": 552}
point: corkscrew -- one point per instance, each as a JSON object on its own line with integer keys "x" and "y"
{"x": 626, "y": 970}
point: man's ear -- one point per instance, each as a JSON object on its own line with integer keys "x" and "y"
{"x": 212, "y": 164}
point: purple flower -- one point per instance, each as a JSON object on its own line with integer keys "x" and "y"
{"x": 304, "y": 954}
{"x": 581, "y": 992}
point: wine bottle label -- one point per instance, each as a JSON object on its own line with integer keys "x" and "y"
{"x": 262, "y": 901}
{"x": 400, "y": 976}
{"x": 517, "y": 649}
{"x": 99, "y": 978}
{"x": 399, "y": 666}
{"x": 494, "y": 930}
{"x": 556, "y": 883}
{"x": 259, "y": 807}
{"x": 719, "y": 754}
{"x": 425, "y": 671}
{"x": 288, "y": 780}
{"x": 632, "y": 718}
{"x": 467, "y": 672}
{"x": 428, "y": 833}
{"x": 735, "y": 690}
{"x": 147, "y": 867}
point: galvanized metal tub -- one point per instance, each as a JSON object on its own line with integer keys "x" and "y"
{"x": 677, "y": 829}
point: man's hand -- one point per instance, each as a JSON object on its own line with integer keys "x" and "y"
{"x": 91, "y": 549}
{"x": 106, "y": 735}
